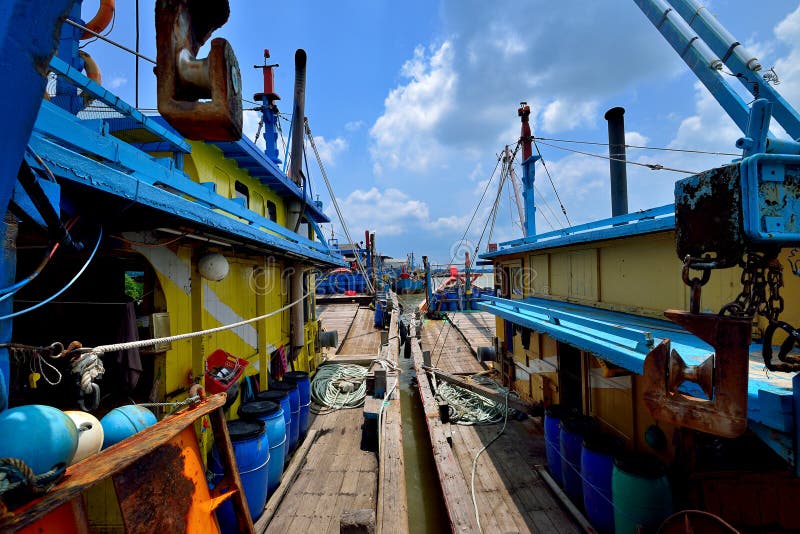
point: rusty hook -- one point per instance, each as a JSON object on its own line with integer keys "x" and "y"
{"x": 791, "y": 363}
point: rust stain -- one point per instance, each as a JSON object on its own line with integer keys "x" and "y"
{"x": 154, "y": 494}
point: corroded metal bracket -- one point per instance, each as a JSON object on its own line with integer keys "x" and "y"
{"x": 201, "y": 98}
{"x": 723, "y": 376}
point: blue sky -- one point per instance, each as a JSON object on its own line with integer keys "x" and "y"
{"x": 411, "y": 102}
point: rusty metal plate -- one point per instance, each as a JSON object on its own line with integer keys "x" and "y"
{"x": 708, "y": 216}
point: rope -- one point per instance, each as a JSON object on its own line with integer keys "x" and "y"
{"x": 470, "y": 408}
{"x": 552, "y": 184}
{"x": 336, "y": 204}
{"x": 88, "y": 366}
{"x": 103, "y": 349}
{"x": 175, "y": 405}
{"x": 338, "y": 386}
{"x": 475, "y": 462}
{"x": 14, "y": 473}
{"x": 686, "y": 150}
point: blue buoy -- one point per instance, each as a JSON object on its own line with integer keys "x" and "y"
{"x": 303, "y": 382}
{"x": 294, "y": 402}
{"x": 282, "y": 398}
{"x": 251, "y": 449}
{"x": 272, "y": 416}
{"x": 125, "y": 421}
{"x": 43, "y": 437}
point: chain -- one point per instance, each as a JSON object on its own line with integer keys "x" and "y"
{"x": 762, "y": 280}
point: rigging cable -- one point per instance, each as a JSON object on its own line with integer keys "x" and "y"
{"x": 336, "y": 205}
{"x": 641, "y": 147}
{"x": 552, "y": 184}
{"x": 651, "y": 166}
{"x": 474, "y": 213}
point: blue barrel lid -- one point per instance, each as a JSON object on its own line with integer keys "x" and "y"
{"x": 295, "y": 376}
{"x": 242, "y": 430}
{"x": 272, "y": 395}
{"x": 282, "y": 386}
{"x": 579, "y": 424}
{"x": 256, "y": 409}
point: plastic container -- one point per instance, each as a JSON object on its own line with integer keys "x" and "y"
{"x": 251, "y": 450}
{"x": 552, "y": 437}
{"x": 303, "y": 382}
{"x": 573, "y": 430}
{"x": 44, "y": 437}
{"x": 641, "y": 493}
{"x": 597, "y": 463}
{"x": 379, "y": 314}
{"x": 282, "y": 398}
{"x": 272, "y": 415}
{"x": 294, "y": 403}
{"x": 125, "y": 421}
{"x": 222, "y": 371}
{"x": 90, "y": 435}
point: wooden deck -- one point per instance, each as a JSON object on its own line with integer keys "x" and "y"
{"x": 450, "y": 351}
{"x": 336, "y": 475}
{"x": 477, "y": 328}
{"x": 510, "y": 494}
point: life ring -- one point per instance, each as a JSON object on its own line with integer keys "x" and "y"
{"x": 91, "y": 68}
{"x": 101, "y": 20}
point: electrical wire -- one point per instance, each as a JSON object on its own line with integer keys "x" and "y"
{"x": 60, "y": 291}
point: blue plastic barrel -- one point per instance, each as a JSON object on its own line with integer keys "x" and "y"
{"x": 294, "y": 403}
{"x": 282, "y": 398}
{"x": 597, "y": 463}
{"x": 304, "y": 390}
{"x": 573, "y": 430}
{"x": 125, "y": 421}
{"x": 552, "y": 437}
{"x": 251, "y": 449}
{"x": 43, "y": 437}
{"x": 272, "y": 415}
{"x": 379, "y": 314}
{"x": 641, "y": 493}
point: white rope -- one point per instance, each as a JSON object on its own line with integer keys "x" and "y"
{"x": 89, "y": 366}
{"x": 102, "y": 349}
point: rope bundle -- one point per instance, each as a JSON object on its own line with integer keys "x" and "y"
{"x": 339, "y": 386}
{"x": 469, "y": 408}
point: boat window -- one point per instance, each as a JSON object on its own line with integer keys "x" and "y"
{"x": 242, "y": 192}
{"x": 272, "y": 211}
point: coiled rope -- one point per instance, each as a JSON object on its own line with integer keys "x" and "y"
{"x": 470, "y": 408}
{"x": 338, "y": 386}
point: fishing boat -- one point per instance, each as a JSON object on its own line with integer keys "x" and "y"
{"x": 662, "y": 344}
{"x": 152, "y": 264}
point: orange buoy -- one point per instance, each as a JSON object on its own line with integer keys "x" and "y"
{"x": 101, "y": 19}
{"x": 91, "y": 68}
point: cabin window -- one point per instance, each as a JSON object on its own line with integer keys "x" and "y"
{"x": 241, "y": 191}
{"x": 516, "y": 282}
{"x": 272, "y": 211}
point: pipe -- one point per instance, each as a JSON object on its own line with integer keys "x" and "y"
{"x": 298, "y": 117}
{"x": 528, "y": 170}
{"x": 617, "y": 163}
{"x": 298, "y": 322}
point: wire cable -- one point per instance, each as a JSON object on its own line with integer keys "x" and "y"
{"x": 106, "y": 39}
{"x": 552, "y": 184}
{"x": 60, "y": 291}
{"x": 641, "y": 147}
{"x": 651, "y": 166}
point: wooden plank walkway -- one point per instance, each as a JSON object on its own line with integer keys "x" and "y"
{"x": 510, "y": 494}
{"x": 337, "y": 317}
{"x": 450, "y": 352}
{"x": 477, "y": 328}
{"x": 337, "y": 475}
{"x": 363, "y": 337}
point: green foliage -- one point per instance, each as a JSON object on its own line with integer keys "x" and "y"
{"x": 133, "y": 289}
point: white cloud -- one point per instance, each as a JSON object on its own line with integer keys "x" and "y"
{"x": 328, "y": 150}
{"x": 389, "y": 212}
{"x": 250, "y": 120}
{"x": 563, "y": 114}
{"x": 354, "y": 126}
{"x": 116, "y": 82}
{"x": 403, "y": 137}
